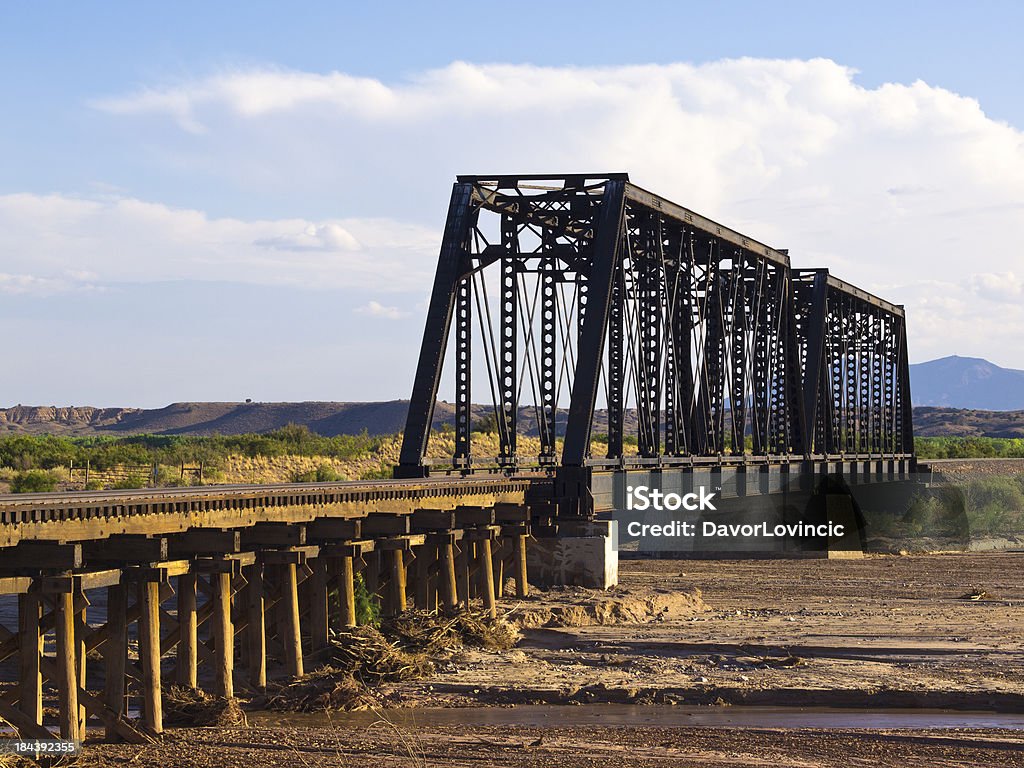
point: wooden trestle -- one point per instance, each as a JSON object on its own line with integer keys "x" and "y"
{"x": 224, "y": 608}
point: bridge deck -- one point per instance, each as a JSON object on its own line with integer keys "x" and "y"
{"x": 83, "y": 515}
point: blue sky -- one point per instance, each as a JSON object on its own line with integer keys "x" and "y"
{"x": 225, "y": 184}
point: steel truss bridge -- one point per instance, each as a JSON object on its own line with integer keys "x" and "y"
{"x": 614, "y": 336}
{"x": 564, "y": 299}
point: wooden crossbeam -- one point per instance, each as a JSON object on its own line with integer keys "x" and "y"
{"x": 482, "y": 532}
{"x": 205, "y": 541}
{"x": 127, "y": 548}
{"x": 42, "y": 556}
{"x": 274, "y": 535}
{"x": 511, "y": 513}
{"x": 332, "y": 529}
{"x": 26, "y": 726}
{"x": 474, "y": 516}
{"x": 14, "y": 585}
{"x": 96, "y": 707}
{"x": 426, "y": 520}
{"x": 403, "y": 543}
{"x": 384, "y": 524}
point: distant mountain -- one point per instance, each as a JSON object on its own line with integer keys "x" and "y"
{"x": 964, "y": 396}
{"x": 966, "y": 382}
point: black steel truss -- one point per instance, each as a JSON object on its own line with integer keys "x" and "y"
{"x": 584, "y": 294}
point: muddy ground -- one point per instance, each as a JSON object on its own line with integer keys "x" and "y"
{"x": 886, "y": 631}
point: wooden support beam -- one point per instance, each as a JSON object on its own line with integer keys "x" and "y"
{"x": 485, "y": 575}
{"x": 292, "y": 628}
{"x": 294, "y": 555}
{"x": 81, "y": 633}
{"x": 425, "y": 557}
{"x": 449, "y": 589}
{"x": 382, "y": 524}
{"x": 511, "y": 513}
{"x": 519, "y": 559}
{"x": 274, "y": 535}
{"x": 96, "y": 707}
{"x": 156, "y": 572}
{"x": 465, "y": 516}
{"x": 204, "y": 541}
{"x": 187, "y": 671}
{"x": 426, "y": 520}
{"x": 371, "y": 573}
{"x": 42, "y": 556}
{"x": 27, "y": 727}
{"x": 114, "y": 723}
{"x": 66, "y": 678}
{"x": 223, "y": 635}
{"x": 14, "y": 585}
{"x": 126, "y": 548}
{"x": 115, "y": 653}
{"x": 149, "y": 655}
{"x": 332, "y": 529}
{"x": 257, "y": 630}
{"x": 405, "y": 543}
{"x": 231, "y": 564}
{"x": 463, "y": 562}
{"x": 318, "y": 618}
{"x": 30, "y": 611}
{"x": 498, "y": 576}
{"x": 347, "y": 591}
{"x": 396, "y": 584}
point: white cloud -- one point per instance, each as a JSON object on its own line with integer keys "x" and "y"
{"x": 53, "y": 243}
{"x": 887, "y": 186}
{"x": 998, "y": 287}
{"x": 376, "y": 309}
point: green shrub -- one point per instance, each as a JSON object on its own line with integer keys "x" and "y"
{"x": 325, "y": 473}
{"x": 381, "y": 472}
{"x": 486, "y": 424}
{"x": 367, "y": 604}
{"x": 33, "y": 481}
{"x": 132, "y": 481}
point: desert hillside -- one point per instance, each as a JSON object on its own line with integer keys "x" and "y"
{"x": 377, "y": 418}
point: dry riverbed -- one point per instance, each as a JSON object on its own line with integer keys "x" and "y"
{"x": 881, "y": 633}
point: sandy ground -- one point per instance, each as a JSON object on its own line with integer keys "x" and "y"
{"x": 883, "y": 631}
{"x": 886, "y": 631}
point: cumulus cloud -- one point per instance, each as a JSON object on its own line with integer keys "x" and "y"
{"x": 376, "y": 309}
{"x": 887, "y": 186}
{"x": 53, "y": 243}
{"x": 998, "y": 287}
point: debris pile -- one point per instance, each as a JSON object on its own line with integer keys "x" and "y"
{"x": 440, "y": 634}
{"x": 326, "y": 689}
{"x": 368, "y": 656}
{"x": 404, "y": 648}
{"x": 195, "y": 708}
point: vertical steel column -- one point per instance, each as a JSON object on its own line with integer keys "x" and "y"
{"x": 738, "y": 355}
{"x": 649, "y": 313}
{"x": 508, "y": 353}
{"x": 435, "y": 333}
{"x": 463, "y": 372}
{"x": 592, "y": 334}
{"x": 905, "y": 442}
{"x": 616, "y": 363}
{"x": 816, "y": 361}
{"x": 548, "y": 356}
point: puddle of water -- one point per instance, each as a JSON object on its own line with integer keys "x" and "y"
{"x": 633, "y": 715}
